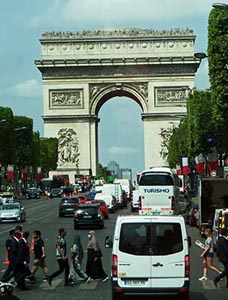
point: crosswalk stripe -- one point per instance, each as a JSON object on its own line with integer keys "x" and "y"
{"x": 88, "y": 286}
{"x": 46, "y": 286}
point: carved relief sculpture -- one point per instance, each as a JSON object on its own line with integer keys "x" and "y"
{"x": 68, "y": 148}
{"x": 67, "y": 98}
{"x": 170, "y": 96}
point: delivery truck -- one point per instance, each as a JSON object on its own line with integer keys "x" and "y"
{"x": 212, "y": 195}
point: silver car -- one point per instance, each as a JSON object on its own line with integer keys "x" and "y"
{"x": 12, "y": 212}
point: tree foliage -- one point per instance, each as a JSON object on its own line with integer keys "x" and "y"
{"x": 6, "y": 136}
{"x": 218, "y": 72}
{"x": 48, "y": 154}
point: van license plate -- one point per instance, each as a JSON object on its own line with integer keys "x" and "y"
{"x": 135, "y": 282}
{"x": 156, "y": 213}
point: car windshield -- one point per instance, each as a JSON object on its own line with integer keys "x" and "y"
{"x": 7, "y": 207}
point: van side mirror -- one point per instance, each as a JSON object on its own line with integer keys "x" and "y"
{"x": 108, "y": 241}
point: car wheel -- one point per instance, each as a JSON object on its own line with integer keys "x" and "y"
{"x": 61, "y": 215}
{"x": 75, "y": 226}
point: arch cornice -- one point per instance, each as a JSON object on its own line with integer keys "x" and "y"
{"x": 100, "y": 93}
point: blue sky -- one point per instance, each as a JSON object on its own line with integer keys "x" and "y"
{"x": 23, "y": 22}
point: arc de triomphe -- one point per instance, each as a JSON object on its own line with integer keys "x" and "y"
{"x": 83, "y": 70}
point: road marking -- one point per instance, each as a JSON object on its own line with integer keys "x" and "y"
{"x": 88, "y": 286}
{"x": 54, "y": 283}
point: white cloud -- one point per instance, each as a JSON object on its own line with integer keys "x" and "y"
{"x": 122, "y": 150}
{"x": 28, "y": 88}
{"x": 113, "y": 12}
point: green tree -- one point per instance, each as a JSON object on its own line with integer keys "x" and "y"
{"x": 23, "y": 134}
{"x": 36, "y": 151}
{"x": 48, "y": 154}
{"x": 6, "y": 136}
{"x": 218, "y": 73}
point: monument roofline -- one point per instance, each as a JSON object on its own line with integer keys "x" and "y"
{"x": 117, "y": 33}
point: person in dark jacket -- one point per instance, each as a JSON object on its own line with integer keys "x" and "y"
{"x": 222, "y": 252}
{"x": 18, "y": 262}
{"x": 94, "y": 268}
{"x": 9, "y": 273}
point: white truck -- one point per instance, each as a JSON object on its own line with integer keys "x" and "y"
{"x": 212, "y": 195}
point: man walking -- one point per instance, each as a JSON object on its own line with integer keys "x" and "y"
{"x": 222, "y": 252}
{"x": 39, "y": 257}
{"x": 61, "y": 257}
{"x": 9, "y": 273}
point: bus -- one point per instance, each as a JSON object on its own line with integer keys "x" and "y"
{"x": 159, "y": 190}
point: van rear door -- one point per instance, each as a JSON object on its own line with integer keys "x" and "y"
{"x": 168, "y": 258}
{"x": 134, "y": 269}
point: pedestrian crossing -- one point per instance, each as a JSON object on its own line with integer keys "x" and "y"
{"x": 58, "y": 282}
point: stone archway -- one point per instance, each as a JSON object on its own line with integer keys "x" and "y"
{"x": 82, "y": 70}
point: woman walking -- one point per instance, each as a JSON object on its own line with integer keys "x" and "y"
{"x": 208, "y": 255}
{"x": 94, "y": 268}
{"x": 76, "y": 272}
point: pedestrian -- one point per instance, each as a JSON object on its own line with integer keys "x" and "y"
{"x": 39, "y": 257}
{"x": 76, "y": 271}
{"x": 26, "y": 251}
{"x": 46, "y": 193}
{"x": 9, "y": 272}
{"x": 61, "y": 257}
{"x": 6, "y": 292}
{"x": 94, "y": 268}
{"x": 208, "y": 254}
{"x": 222, "y": 252}
{"x": 17, "y": 258}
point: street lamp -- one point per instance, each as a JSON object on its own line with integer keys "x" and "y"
{"x": 3, "y": 121}
{"x": 220, "y": 5}
{"x": 20, "y": 128}
{"x": 200, "y": 55}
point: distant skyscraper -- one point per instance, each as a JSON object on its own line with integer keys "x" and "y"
{"x": 114, "y": 167}
{"x": 126, "y": 174}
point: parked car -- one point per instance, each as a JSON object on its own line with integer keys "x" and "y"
{"x": 33, "y": 193}
{"x": 88, "y": 214}
{"x": 12, "y": 212}
{"x": 56, "y": 193}
{"x": 68, "y": 205}
{"x": 191, "y": 217}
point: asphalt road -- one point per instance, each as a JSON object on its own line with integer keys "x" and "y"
{"x": 43, "y": 215}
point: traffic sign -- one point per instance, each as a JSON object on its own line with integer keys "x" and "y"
{"x": 226, "y": 161}
{"x": 213, "y": 173}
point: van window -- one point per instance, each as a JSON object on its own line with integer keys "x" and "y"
{"x": 151, "y": 239}
{"x": 156, "y": 180}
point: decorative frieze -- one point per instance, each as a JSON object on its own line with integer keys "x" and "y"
{"x": 60, "y": 99}
{"x": 171, "y": 96}
{"x": 118, "y": 32}
{"x": 68, "y": 148}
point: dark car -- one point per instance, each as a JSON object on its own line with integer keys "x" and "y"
{"x": 68, "y": 205}
{"x": 33, "y": 193}
{"x": 56, "y": 193}
{"x": 88, "y": 215}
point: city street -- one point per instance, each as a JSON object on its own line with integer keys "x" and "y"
{"x": 43, "y": 215}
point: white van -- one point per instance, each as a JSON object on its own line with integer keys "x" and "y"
{"x": 126, "y": 186}
{"x": 150, "y": 256}
{"x": 135, "y": 201}
{"x": 109, "y": 199}
{"x": 116, "y": 190}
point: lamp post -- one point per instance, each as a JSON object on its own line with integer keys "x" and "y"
{"x": 220, "y": 5}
